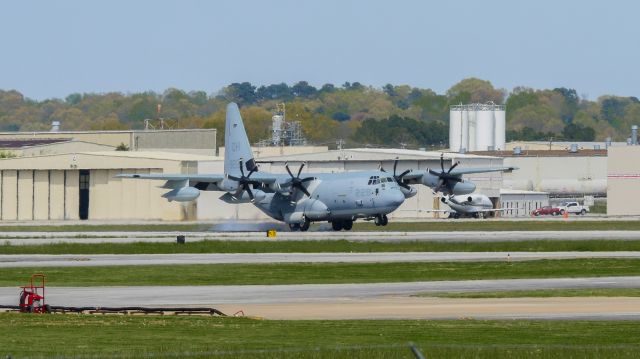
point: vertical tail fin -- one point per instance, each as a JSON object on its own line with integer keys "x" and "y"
{"x": 237, "y": 147}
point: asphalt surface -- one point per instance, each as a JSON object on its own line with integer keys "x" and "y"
{"x": 68, "y": 260}
{"x": 18, "y": 238}
{"x": 262, "y": 294}
{"x": 374, "y": 300}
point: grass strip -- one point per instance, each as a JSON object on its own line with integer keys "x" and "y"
{"x": 541, "y": 293}
{"x": 496, "y": 225}
{"x": 214, "y": 246}
{"x": 556, "y": 224}
{"x": 181, "y": 227}
{"x": 206, "y": 337}
{"x": 312, "y": 273}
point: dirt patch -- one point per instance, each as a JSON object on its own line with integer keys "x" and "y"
{"x": 444, "y": 308}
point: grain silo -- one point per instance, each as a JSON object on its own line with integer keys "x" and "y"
{"x": 500, "y": 127}
{"x": 472, "y": 124}
{"x": 455, "y": 129}
{"x": 485, "y": 128}
{"x": 477, "y": 127}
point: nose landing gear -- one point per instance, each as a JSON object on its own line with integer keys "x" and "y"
{"x": 381, "y": 220}
{"x": 303, "y": 227}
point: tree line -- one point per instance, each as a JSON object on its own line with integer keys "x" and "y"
{"x": 394, "y": 115}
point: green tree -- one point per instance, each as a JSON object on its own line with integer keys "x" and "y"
{"x": 480, "y": 91}
{"x": 243, "y": 93}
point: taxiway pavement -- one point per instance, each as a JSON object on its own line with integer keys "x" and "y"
{"x": 364, "y": 301}
{"x": 27, "y": 238}
{"x": 81, "y": 260}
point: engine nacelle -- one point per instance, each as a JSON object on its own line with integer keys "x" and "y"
{"x": 408, "y": 193}
{"x": 463, "y": 188}
{"x": 228, "y": 185}
{"x": 183, "y": 194}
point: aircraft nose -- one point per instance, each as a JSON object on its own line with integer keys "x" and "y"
{"x": 396, "y": 198}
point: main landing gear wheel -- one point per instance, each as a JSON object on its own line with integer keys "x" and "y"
{"x": 294, "y": 227}
{"x": 304, "y": 226}
{"x": 347, "y": 225}
{"x": 336, "y": 225}
{"x": 381, "y": 220}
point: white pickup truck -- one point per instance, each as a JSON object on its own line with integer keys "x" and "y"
{"x": 573, "y": 207}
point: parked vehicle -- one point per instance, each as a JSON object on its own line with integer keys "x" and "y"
{"x": 573, "y": 207}
{"x": 546, "y": 210}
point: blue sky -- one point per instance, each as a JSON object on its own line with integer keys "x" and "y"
{"x": 53, "y": 48}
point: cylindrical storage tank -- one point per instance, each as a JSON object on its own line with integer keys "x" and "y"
{"x": 500, "y": 128}
{"x": 484, "y": 129}
{"x": 471, "y": 111}
{"x": 573, "y": 187}
{"x": 465, "y": 130}
{"x": 455, "y": 129}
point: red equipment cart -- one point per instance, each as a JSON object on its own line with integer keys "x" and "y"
{"x": 32, "y": 296}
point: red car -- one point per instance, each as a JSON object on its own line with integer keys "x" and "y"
{"x": 554, "y": 211}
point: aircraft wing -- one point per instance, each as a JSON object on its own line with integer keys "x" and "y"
{"x": 172, "y": 177}
{"x": 415, "y": 176}
{"x": 460, "y": 172}
{"x": 206, "y": 178}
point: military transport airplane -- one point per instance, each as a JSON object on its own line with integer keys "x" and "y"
{"x": 338, "y": 198}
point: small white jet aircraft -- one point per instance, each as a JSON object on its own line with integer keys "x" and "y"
{"x": 472, "y": 205}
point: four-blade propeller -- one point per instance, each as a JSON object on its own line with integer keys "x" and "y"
{"x": 245, "y": 181}
{"x": 296, "y": 181}
{"x": 445, "y": 178}
{"x": 398, "y": 178}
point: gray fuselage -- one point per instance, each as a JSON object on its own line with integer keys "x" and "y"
{"x": 341, "y": 196}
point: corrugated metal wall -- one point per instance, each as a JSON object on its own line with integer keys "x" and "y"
{"x": 27, "y": 195}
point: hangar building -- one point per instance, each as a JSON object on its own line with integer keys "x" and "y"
{"x": 82, "y": 186}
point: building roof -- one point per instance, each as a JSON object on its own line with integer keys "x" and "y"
{"x": 37, "y": 133}
{"x": 545, "y": 153}
{"x": 155, "y": 155}
{"x": 567, "y": 144}
{"x": 371, "y": 154}
{"x": 517, "y": 191}
{"x": 30, "y": 142}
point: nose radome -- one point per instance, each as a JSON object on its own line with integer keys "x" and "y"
{"x": 397, "y": 198}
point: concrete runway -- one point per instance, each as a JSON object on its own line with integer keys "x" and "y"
{"x": 81, "y": 260}
{"x": 363, "y": 301}
{"x": 18, "y": 238}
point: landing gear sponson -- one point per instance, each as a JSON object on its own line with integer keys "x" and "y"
{"x": 381, "y": 220}
{"x": 339, "y": 225}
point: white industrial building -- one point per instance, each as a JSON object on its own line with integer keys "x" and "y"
{"x": 623, "y": 175}
{"x": 561, "y": 173}
{"x": 477, "y": 127}
{"x": 520, "y": 203}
